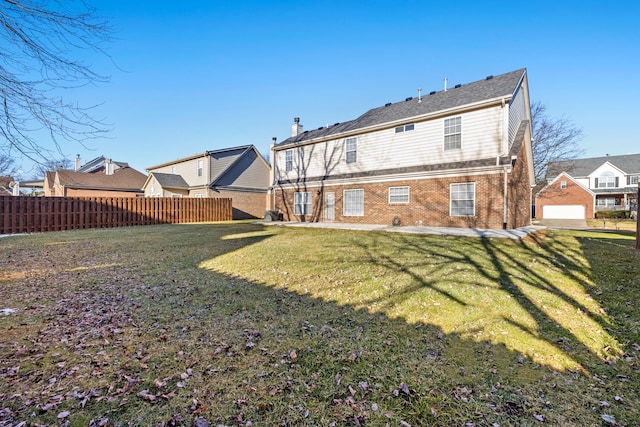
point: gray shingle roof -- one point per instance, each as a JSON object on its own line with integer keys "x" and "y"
{"x": 489, "y": 88}
{"x": 169, "y": 180}
{"x": 578, "y": 168}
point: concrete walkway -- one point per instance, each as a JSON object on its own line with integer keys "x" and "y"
{"x": 518, "y": 233}
{"x": 565, "y": 224}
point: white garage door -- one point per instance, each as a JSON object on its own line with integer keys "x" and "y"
{"x": 563, "y": 212}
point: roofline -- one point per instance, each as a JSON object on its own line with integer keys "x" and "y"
{"x": 433, "y": 115}
{"x": 568, "y": 176}
{"x": 195, "y": 156}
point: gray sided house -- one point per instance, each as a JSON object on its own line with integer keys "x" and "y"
{"x": 458, "y": 157}
{"x": 239, "y": 173}
{"x": 580, "y": 188}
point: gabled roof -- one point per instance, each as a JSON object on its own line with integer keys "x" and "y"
{"x": 99, "y": 163}
{"x": 569, "y": 177}
{"x": 222, "y": 154}
{"x": 579, "y": 168}
{"x": 168, "y": 180}
{"x": 493, "y": 87}
{"x": 122, "y": 179}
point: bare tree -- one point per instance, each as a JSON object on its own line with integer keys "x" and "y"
{"x": 42, "y": 43}
{"x": 7, "y": 166}
{"x": 554, "y": 139}
{"x": 51, "y": 166}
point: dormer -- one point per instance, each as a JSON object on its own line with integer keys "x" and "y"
{"x": 606, "y": 176}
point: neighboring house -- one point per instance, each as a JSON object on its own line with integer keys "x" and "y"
{"x": 239, "y": 173}
{"x": 99, "y": 165}
{"x": 123, "y": 182}
{"x": 460, "y": 157}
{"x": 5, "y": 186}
{"x": 580, "y": 188}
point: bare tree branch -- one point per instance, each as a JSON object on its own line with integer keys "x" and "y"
{"x": 553, "y": 140}
{"x": 39, "y": 63}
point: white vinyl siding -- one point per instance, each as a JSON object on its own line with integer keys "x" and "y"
{"x": 463, "y": 199}
{"x": 352, "y": 150}
{"x": 453, "y": 133}
{"x": 385, "y": 149}
{"x": 398, "y": 195}
{"x": 517, "y": 113}
{"x": 302, "y": 203}
{"x": 354, "y": 202}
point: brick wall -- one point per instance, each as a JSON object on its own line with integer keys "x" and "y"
{"x": 573, "y": 194}
{"x": 246, "y": 204}
{"x": 429, "y": 203}
{"x": 519, "y": 194}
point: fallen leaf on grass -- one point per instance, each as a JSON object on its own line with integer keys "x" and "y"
{"x": 63, "y": 414}
{"x": 608, "y": 418}
{"x": 147, "y": 396}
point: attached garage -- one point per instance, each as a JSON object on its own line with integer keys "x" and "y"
{"x": 564, "y": 212}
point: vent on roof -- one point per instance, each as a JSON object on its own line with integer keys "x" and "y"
{"x": 320, "y": 128}
{"x": 336, "y": 124}
{"x": 433, "y": 92}
{"x": 409, "y": 98}
{"x": 489, "y": 77}
{"x": 457, "y": 86}
{"x": 387, "y": 104}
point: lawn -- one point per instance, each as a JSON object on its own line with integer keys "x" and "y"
{"x": 238, "y": 324}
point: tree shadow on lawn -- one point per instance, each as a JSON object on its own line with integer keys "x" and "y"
{"x": 233, "y": 349}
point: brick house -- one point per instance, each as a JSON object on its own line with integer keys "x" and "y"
{"x": 121, "y": 182}
{"x": 578, "y": 189}
{"x": 460, "y": 157}
{"x": 239, "y": 173}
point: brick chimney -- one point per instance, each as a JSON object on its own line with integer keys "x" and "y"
{"x": 296, "y": 127}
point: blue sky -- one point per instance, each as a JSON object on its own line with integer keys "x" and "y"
{"x": 193, "y": 76}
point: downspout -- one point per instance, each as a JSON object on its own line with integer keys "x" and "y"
{"x": 504, "y": 207}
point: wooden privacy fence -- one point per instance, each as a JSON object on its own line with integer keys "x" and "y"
{"x": 24, "y": 214}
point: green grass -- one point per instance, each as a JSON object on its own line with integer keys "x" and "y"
{"x": 248, "y": 325}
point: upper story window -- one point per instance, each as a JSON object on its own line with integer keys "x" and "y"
{"x": 288, "y": 160}
{"x": 352, "y": 150}
{"x": 405, "y": 128}
{"x": 453, "y": 133}
{"x": 606, "y": 180}
{"x": 563, "y": 184}
{"x": 633, "y": 180}
{"x": 173, "y": 169}
{"x": 200, "y": 163}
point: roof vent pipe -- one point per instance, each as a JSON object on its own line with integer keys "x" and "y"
{"x": 445, "y": 84}
{"x": 419, "y": 94}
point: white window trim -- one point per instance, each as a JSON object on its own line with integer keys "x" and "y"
{"x": 353, "y": 140}
{"x": 200, "y": 167}
{"x": 633, "y": 178}
{"x": 444, "y": 134}
{"x": 288, "y": 160}
{"x": 344, "y": 202}
{"x": 404, "y": 128}
{"x": 302, "y": 207}
{"x": 451, "y": 199}
{"x": 402, "y": 202}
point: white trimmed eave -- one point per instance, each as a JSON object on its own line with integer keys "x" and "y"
{"x": 423, "y": 117}
{"x": 409, "y": 176}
